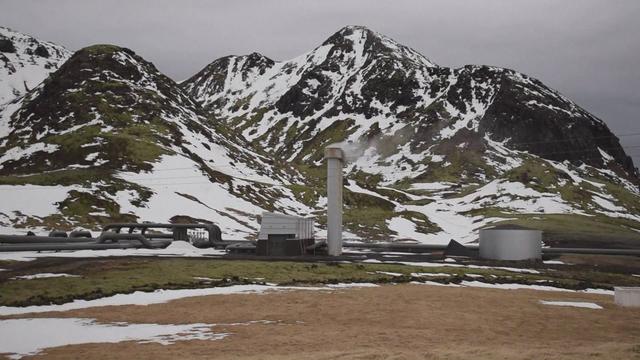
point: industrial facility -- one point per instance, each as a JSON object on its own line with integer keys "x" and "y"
{"x": 284, "y": 236}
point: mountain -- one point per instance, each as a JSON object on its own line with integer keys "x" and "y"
{"x": 442, "y": 151}
{"x": 372, "y": 86}
{"x": 107, "y": 137}
{"x": 24, "y": 62}
{"x": 438, "y": 152}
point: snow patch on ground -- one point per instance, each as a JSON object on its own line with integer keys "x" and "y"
{"x": 145, "y": 298}
{"x": 431, "y": 186}
{"x": 578, "y": 304}
{"x": 553, "y": 262}
{"x": 24, "y": 70}
{"x": 532, "y": 287}
{"x": 13, "y": 199}
{"x": 350, "y": 285}
{"x": 433, "y": 283}
{"x": 17, "y": 153}
{"x": 28, "y": 337}
{"x": 199, "y": 198}
{"x": 429, "y": 274}
{"x": 389, "y": 273}
{"x": 606, "y": 204}
{"x": 176, "y": 248}
{"x": 163, "y": 296}
{"x": 43, "y": 276}
{"x": 511, "y": 196}
{"x": 450, "y": 264}
{"x": 406, "y": 229}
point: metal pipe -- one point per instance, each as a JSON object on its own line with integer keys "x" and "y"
{"x": 215, "y": 234}
{"x": 436, "y": 247}
{"x": 81, "y": 246}
{"x": 35, "y": 243}
{"x": 402, "y": 246}
{"x": 335, "y": 157}
{"x": 158, "y": 236}
{"x": 112, "y": 236}
{"x": 20, "y": 239}
{"x": 593, "y": 251}
{"x": 80, "y": 234}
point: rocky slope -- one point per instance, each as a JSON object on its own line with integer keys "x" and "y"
{"x": 441, "y": 151}
{"x": 24, "y": 62}
{"x": 109, "y": 138}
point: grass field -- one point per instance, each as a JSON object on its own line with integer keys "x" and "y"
{"x": 96, "y": 278}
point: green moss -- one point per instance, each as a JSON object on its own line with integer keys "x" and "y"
{"x": 273, "y": 137}
{"x": 306, "y": 194}
{"x": 535, "y": 173}
{"x": 291, "y": 134}
{"x": 423, "y": 224}
{"x": 60, "y": 177}
{"x": 105, "y": 278}
{"x": 390, "y": 144}
{"x": 336, "y": 132}
{"x": 581, "y": 229}
{"x": 356, "y": 199}
{"x": 419, "y": 202}
{"x": 243, "y": 123}
{"x": 241, "y": 103}
{"x": 393, "y": 195}
{"x": 366, "y": 180}
{"x": 131, "y": 149}
{"x": 464, "y": 166}
{"x": 113, "y": 86}
{"x": 368, "y": 222}
{"x": 627, "y": 199}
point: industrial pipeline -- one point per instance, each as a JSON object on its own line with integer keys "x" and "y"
{"x": 112, "y": 237}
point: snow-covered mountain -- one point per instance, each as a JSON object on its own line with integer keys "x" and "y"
{"x": 25, "y": 61}
{"x": 107, "y": 137}
{"x": 369, "y": 86}
{"x": 442, "y": 151}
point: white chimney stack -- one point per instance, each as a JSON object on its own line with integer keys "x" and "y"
{"x": 335, "y": 158}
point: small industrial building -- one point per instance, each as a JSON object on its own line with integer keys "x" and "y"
{"x": 284, "y": 235}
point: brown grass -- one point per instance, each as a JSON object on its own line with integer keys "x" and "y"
{"x": 388, "y": 322}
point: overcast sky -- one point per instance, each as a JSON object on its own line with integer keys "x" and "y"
{"x": 588, "y": 50}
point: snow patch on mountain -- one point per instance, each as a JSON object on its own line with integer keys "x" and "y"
{"x": 25, "y": 62}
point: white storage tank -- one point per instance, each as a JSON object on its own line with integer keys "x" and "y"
{"x": 281, "y": 224}
{"x": 627, "y": 296}
{"x": 510, "y": 242}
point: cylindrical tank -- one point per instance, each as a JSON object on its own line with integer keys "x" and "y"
{"x": 627, "y": 296}
{"x": 334, "y": 157}
{"x": 510, "y": 244}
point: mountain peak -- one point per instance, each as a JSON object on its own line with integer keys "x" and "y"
{"x": 362, "y": 40}
{"x": 112, "y": 62}
{"x": 26, "y": 61}
{"x": 352, "y": 32}
{"x": 360, "y": 29}
{"x": 98, "y": 49}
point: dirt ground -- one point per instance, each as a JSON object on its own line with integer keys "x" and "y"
{"x": 388, "y": 322}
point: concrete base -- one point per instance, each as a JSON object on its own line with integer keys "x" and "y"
{"x": 627, "y": 296}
